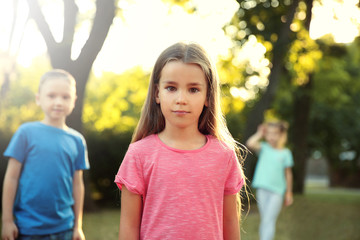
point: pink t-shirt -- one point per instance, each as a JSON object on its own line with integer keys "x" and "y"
{"x": 182, "y": 190}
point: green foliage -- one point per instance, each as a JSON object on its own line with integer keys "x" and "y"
{"x": 18, "y": 105}
{"x": 302, "y": 58}
{"x": 260, "y": 18}
{"x": 336, "y": 112}
{"x": 106, "y": 150}
{"x": 114, "y": 102}
{"x": 111, "y": 111}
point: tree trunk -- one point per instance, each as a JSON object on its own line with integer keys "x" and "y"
{"x": 302, "y": 107}
{"x": 256, "y": 116}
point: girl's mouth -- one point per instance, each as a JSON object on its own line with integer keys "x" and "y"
{"x": 180, "y": 112}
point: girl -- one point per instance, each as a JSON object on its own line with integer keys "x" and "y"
{"x": 273, "y": 176}
{"x": 180, "y": 177}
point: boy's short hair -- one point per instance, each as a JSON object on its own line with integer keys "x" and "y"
{"x": 57, "y": 73}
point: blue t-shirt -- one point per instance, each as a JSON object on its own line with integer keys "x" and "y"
{"x": 49, "y": 156}
{"x": 270, "y": 168}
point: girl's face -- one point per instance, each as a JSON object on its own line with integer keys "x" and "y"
{"x": 181, "y": 93}
{"x": 273, "y": 135}
{"x": 57, "y": 98}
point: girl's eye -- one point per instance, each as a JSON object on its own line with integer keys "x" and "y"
{"x": 170, "y": 88}
{"x": 194, "y": 90}
{"x": 66, "y": 97}
{"x": 51, "y": 95}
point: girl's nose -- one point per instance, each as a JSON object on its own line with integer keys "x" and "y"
{"x": 181, "y": 97}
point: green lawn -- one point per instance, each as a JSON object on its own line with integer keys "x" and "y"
{"x": 102, "y": 225}
{"x": 320, "y": 214}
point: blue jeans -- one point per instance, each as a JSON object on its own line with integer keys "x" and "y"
{"x": 269, "y": 204}
{"x": 66, "y": 235}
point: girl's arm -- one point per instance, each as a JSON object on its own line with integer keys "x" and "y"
{"x": 231, "y": 223}
{"x": 289, "y": 182}
{"x": 78, "y": 194}
{"x": 11, "y": 181}
{"x": 254, "y": 141}
{"x": 130, "y": 216}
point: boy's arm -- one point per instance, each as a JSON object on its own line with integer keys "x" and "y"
{"x": 231, "y": 217}
{"x": 130, "y": 215}
{"x": 78, "y": 194}
{"x": 11, "y": 180}
{"x": 289, "y": 182}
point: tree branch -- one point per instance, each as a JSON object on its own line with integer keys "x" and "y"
{"x": 105, "y": 13}
{"x": 37, "y": 15}
{"x": 13, "y": 23}
{"x": 70, "y": 12}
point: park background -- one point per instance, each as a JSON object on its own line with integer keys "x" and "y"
{"x": 292, "y": 60}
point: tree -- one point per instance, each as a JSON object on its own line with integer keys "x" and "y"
{"x": 60, "y": 52}
{"x": 303, "y": 102}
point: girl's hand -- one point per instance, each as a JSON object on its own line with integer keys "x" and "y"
{"x": 78, "y": 234}
{"x": 9, "y": 231}
{"x": 261, "y": 130}
{"x": 289, "y": 199}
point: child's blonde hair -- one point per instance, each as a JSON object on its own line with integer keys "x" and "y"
{"x": 283, "y": 128}
{"x": 57, "y": 74}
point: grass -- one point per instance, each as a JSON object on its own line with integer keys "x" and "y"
{"x": 317, "y": 215}
{"x": 102, "y": 225}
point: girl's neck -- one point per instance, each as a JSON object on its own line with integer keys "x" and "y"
{"x": 184, "y": 139}
{"x": 277, "y": 146}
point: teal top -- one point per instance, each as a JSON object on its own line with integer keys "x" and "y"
{"x": 270, "y": 168}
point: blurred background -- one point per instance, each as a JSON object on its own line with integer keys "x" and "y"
{"x": 293, "y": 60}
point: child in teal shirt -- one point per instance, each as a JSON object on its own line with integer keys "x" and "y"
{"x": 273, "y": 175}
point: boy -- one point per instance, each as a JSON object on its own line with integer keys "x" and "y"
{"x": 43, "y": 190}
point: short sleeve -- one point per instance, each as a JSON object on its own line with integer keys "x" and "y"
{"x": 235, "y": 179}
{"x": 82, "y": 162}
{"x": 289, "y": 161}
{"x": 130, "y": 173}
{"x": 17, "y": 147}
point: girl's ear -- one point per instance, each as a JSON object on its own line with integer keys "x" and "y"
{"x": 157, "y": 98}
{"x": 206, "y": 103}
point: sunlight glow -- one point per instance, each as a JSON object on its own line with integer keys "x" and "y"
{"x": 141, "y": 35}
{"x": 138, "y": 37}
{"x": 339, "y": 18}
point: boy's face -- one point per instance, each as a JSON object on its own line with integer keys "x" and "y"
{"x": 57, "y": 98}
